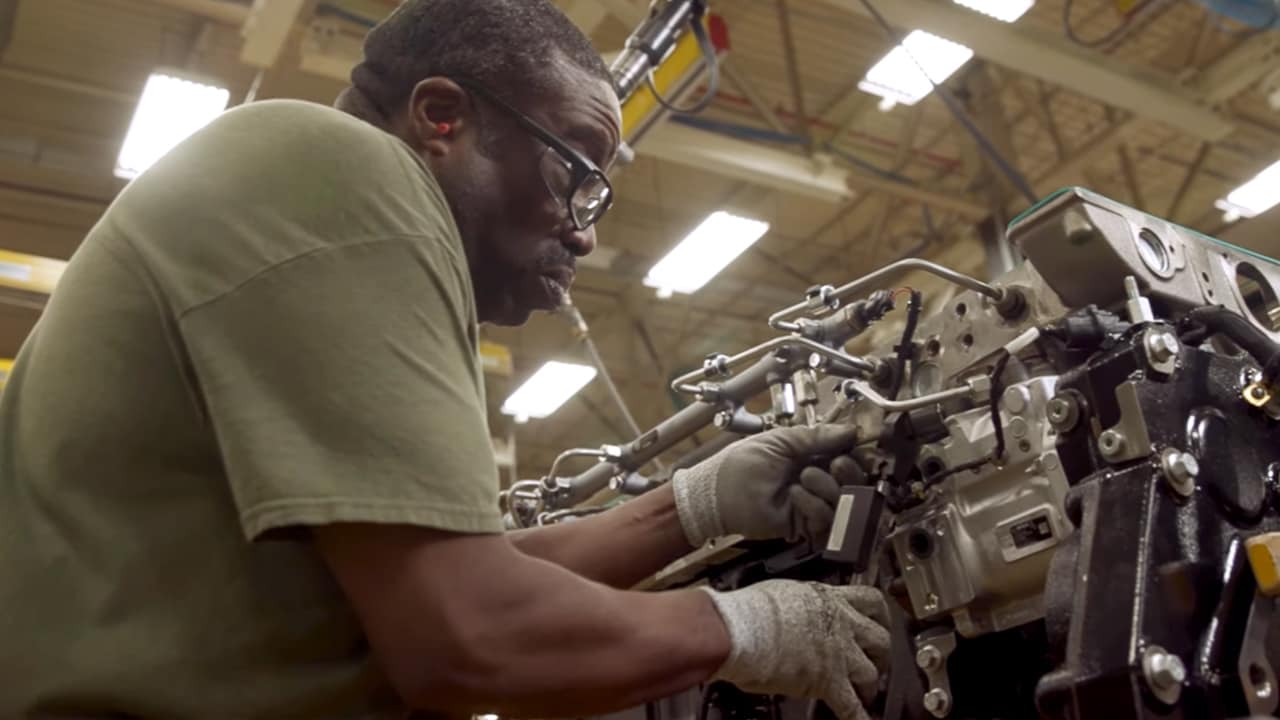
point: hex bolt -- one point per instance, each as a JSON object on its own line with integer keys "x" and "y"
{"x": 1111, "y": 443}
{"x": 1164, "y": 673}
{"x": 1018, "y": 427}
{"x": 1162, "y": 346}
{"x": 1016, "y": 399}
{"x": 722, "y": 419}
{"x": 929, "y": 658}
{"x": 1063, "y": 412}
{"x": 938, "y": 702}
{"x": 1180, "y": 470}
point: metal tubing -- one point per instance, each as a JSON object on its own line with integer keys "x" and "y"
{"x": 550, "y": 479}
{"x": 681, "y": 384}
{"x": 864, "y": 388}
{"x": 778, "y": 320}
{"x": 665, "y": 435}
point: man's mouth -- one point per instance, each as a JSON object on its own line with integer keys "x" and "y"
{"x": 557, "y": 283}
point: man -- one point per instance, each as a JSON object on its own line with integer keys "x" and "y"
{"x": 245, "y": 469}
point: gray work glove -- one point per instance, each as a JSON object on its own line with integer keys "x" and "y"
{"x": 807, "y": 640}
{"x": 760, "y": 487}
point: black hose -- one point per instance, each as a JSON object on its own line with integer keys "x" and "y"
{"x": 997, "y": 389}
{"x": 713, "y": 71}
{"x": 997, "y": 425}
{"x": 1068, "y": 28}
{"x": 1219, "y": 320}
{"x": 906, "y": 349}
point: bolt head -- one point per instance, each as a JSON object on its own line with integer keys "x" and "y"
{"x": 1016, "y": 399}
{"x": 1111, "y": 443}
{"x": 1058, "y": 410}
{"x": 1167, "y": 670}
{"x": 938, "y": 702}
{"x": 1185, "y": 465}
{"x": 928, "y": 658}
{"x": 1162, "y": 346}
{"x": 1258, "y": 392}
{"x": 1164, "y": 673}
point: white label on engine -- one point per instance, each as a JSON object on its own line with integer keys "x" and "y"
{"x": 844, "y": 508}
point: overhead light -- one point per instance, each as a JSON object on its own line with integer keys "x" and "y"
{"x": 548, "y": 389}
{"x": 1254, "y": 197}
{"x": 898, "y": 77}
{"x": 707, "y": 250}
{"x": 1002, "y": 10}
{"x": 170, "y": 110}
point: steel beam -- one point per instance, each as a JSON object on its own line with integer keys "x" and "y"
{"x": 1239, "y": 69}
{"x": 588, "y": 15}
{"x": 227, "y": 13}
{"x": 1049, "y": 57}
{"x": 267, "y": 30}
{"x": 747, "y": 161}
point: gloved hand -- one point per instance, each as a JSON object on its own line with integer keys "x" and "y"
{"x": 760, "y": 488}
{"x": 807, "y": 640}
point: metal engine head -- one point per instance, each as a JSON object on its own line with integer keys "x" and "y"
{"x": 977, "y": 549}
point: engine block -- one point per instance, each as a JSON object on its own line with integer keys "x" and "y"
{"x": 1064, "y": 470}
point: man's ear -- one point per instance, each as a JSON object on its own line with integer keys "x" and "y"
{"x": 439, "y": 109}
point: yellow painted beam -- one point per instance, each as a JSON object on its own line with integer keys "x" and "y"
{"x": 29, "y": 272}
{"x": 5, "y": 367}
{"x": 495, "y": 358}
{"x": 642, "y": 108}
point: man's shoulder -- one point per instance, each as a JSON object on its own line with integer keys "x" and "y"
{"x": 299, "y": 124}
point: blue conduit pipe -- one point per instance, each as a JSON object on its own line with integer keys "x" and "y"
{"x": 1260, "y": 14}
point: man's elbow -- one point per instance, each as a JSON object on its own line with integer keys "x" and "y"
{"x": 453, "y": 677}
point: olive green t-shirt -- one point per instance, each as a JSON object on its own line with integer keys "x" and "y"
{"x": 271, "y": 329}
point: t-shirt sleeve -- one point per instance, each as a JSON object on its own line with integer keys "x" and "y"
{"x": 343, "y": 386}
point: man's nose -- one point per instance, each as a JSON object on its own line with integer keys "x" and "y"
{"x": 579, "y": 242}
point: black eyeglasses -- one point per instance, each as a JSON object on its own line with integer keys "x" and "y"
{"x": 569, "y": 174}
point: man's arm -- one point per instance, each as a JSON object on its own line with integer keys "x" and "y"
{"x": 619, "y": 547}
{"x": 467, "y": 623}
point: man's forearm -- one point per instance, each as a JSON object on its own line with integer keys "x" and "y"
{"x": 619, "y": 547}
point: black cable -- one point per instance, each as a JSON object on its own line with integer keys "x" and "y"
{"x": 941, "y": 475}
{"x": 906, "y": 346}
{"x": 997, "y": 425}
{"x": 1070, "y": 31}
{"x": 713, "y": 70}
{"x": 997, "y": 389}
{"x": 1011, "y": 173}
{"x": 1216, "y": 319}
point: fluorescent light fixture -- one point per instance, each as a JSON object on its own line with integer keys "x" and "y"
{"x": 548, "y": 389}
{"x": 170, "y": 110}
{"x": 1254, "y": 197}
{"x": 898, "y": 77}
{"x": 707, "y": 250}
{"x": 1002, "y": 10}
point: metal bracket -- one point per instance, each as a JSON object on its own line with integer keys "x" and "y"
{"x": 1257, "y": 677}
{"x": 1127, "y": 439}
{"x": 931, "y": 657}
